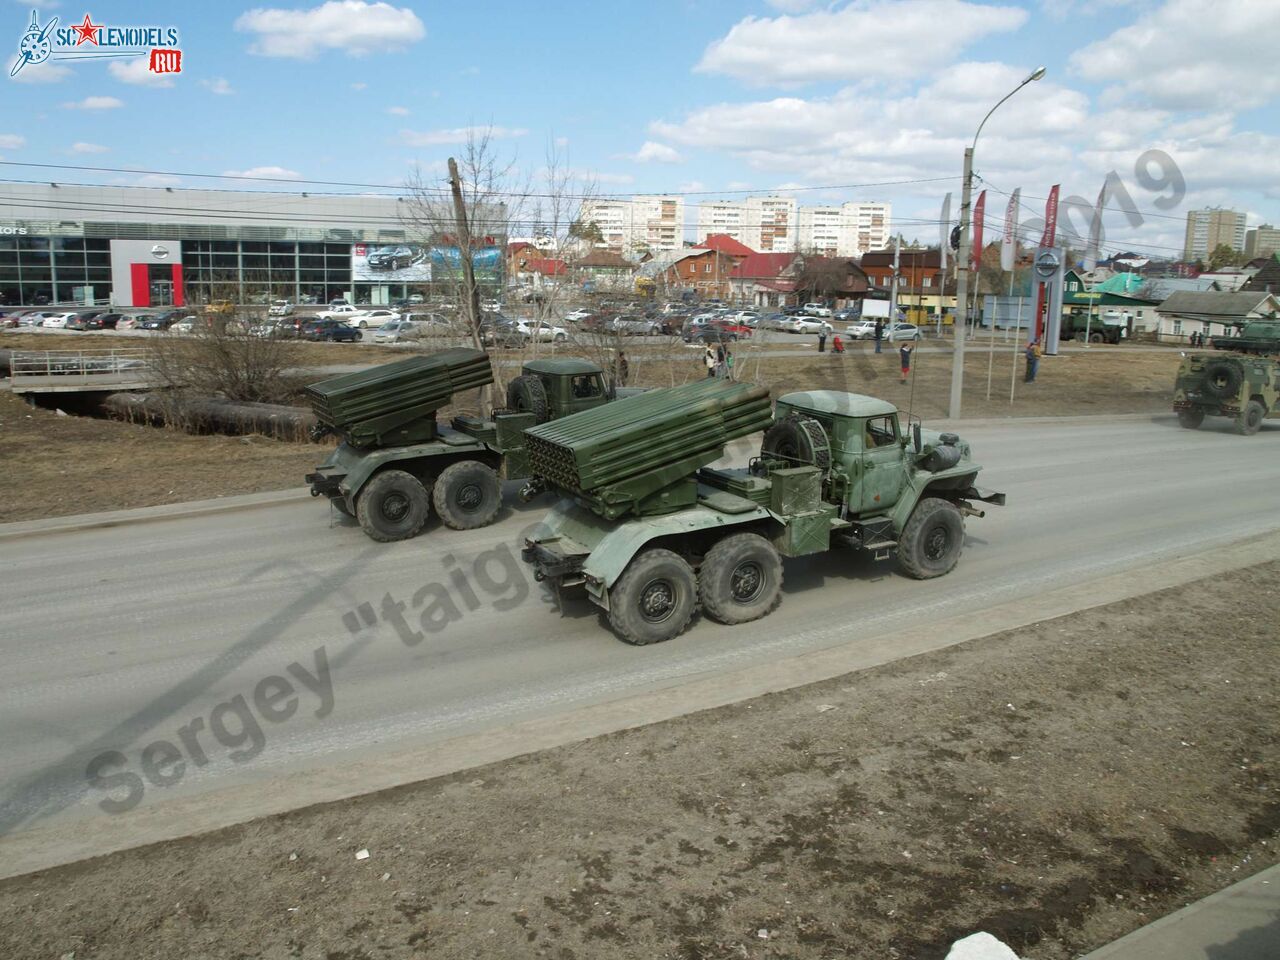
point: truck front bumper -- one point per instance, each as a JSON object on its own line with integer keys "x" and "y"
{"x": 326, "y": 484}
{"x": 554, "y": 560}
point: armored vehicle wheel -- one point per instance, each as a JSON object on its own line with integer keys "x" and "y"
{"x": 340, "y": 504}
{"x": 740, "y": 579}
{"x": 654, "y": 598}
{"x": 393, "y": 506}
{"x": 1250, "y": 418}
{"x": 1095, "y": 338}
{"x": 467, "y": 495}
{"x": 932, "y": 539}
{"x": 1190, "y": 419}
{"x": 798, "y": 440}
{"x": 1222, "y": 379}
{"x": 526, "y": 394}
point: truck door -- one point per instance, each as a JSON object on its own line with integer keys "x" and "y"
{"x": 882, "y": 464}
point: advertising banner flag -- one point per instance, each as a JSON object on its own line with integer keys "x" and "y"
{"x": 979, "y": 212}
{"x": 1009, "y": 242}
{"x": 1050, "y": 218}
{"x": 944, "y": 230}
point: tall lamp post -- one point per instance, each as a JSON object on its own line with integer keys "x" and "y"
{"x": 963, "y": 254}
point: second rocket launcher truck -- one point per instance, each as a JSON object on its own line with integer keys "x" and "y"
{"x": 652, "y": 532}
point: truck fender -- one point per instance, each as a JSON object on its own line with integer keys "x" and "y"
{"x": 619, "y": 546}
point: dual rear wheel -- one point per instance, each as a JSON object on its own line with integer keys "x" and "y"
{"x": 395, "y": 504}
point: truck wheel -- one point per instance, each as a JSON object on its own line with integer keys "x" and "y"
{"x": 393, "y": 506}
{"x": 1222, "y": 379}
{"x": 1191, "y": 419}
{"x": 798, "y": 440}
{"x": 740, "y": 579}
{"x": 526, "y": 394}
{"x": 1095, "y": 338}
{"x": 1250, "y": 418}
{"x": 467, "y": 495}
{"x": 654, "y": 598}
{"x": 932, "y": 539}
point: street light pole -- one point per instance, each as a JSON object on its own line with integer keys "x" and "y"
{"x": 963, "y": 254}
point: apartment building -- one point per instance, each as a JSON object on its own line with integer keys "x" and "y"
{"x": 1263, "y": 241}
{"x": 765, "y": 224}
{"x": 1210, "y": 227}
{"x": 848, "y": 230}
{"x": 649, "y": 223}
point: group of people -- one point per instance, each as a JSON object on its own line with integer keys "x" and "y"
{"x": 719, "y": 362}
{"x": 1196, "y": 339}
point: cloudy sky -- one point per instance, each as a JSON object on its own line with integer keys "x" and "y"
{"x": 837, "y": 101}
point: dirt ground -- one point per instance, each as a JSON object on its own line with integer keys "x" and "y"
{"x": 1057, "y": 786}
{"x": 67, "y": 465}
{"x": 59, "y": 465}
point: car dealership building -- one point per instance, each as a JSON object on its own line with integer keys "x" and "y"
{"x": 160, "y": 246}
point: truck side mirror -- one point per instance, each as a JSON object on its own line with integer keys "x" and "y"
{"x": 915, "y": 436}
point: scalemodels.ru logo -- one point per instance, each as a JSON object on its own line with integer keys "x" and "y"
{"x": 89, "y": 41}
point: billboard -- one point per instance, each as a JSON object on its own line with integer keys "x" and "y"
{"x": 390, "y": 263}
{"x": 486, "y": 261}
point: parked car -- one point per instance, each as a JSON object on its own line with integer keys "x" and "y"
{"x": 542, "y": 331}
{"x": 490, "y": 305}
{"x": 132, "y": 321}
{"x": 398, "y": 331}
{"x": 582, "y": 313}
{"x": 633, "y": 326}
{"x": 847, "y": 314}
{"x": 85, "y": 320}
{"x": 163, "y": 321}
{"x": 497, "y": 330}
{"x": 862, "y": 330}
{"x": 338, "y": 311}
{"x": 372, "y": 318}
{"x": 330, "y": 331}
{"x": 807, "y": 325}
{"x": 903, "y": 331}
{"x": 395, "y": 257}
{"x": 56, "y": 320}
{"x": 816, "y": 310}
{"x": 417, "y": 298}
{"x": 280, "y": 308}
{"x": 712, "y": 331}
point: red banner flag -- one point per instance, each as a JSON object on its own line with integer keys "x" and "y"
{"x": 979, "y": 211}
{"x": 1050, "y": 218}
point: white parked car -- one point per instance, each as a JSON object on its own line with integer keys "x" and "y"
{"x": 862, "y": 330}
{"x": 491, "y": 306}
{"x": 543, "y": 331}
{"x": 280, "y": 308}
{"x": 371, "y": 318}
{"x": 398, "y": 331}
{"x": 338, "y": 311}
{"x": 183, "y": 326}
{"x": 816, "y": 310}
{"x": 807, "y": 325}
{"x": 56, "y": 320}
{"x": 582, "y": 313}
{"x": 903, "y": 331}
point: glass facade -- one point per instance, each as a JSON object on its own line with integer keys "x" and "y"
{"x": 40, "y": 270}
{"x": 257, "y": 271}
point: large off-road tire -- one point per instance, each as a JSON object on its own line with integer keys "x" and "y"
{"x": 1191, "y": 419}
{"x": 654, "y": 599}
{"x": 1096, "y": 337}
{"x": 740, "y": 579}
{"x": 394, "y": 505}
{"x": 526, "y": 394}
{"x": 1222, "y": 379}
{"x": 467, "y": 495}
{"x": 799, "y": 441}
{"x": 932, "y": 540}
{"x": 1250, "y": 418}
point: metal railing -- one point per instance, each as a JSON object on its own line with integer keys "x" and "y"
{"x": 78, "y": 370}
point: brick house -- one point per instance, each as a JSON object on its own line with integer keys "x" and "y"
{"x": 766, "y": 279}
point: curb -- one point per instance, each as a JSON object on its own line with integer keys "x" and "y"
{"x": 175, "y": 511}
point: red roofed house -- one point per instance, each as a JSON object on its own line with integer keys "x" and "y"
{"x": 766, "y": 279}
{"x": 727, "y": 245}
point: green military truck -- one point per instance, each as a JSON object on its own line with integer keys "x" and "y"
{"x": 1239, "y": 380}
{"x": 652, "y": 531}
{"x": 396, "y": 461}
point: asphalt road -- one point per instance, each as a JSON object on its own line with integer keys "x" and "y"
{"x": 151, "y": 649}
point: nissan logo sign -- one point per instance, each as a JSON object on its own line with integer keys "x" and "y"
{"x": 159, "y": 252}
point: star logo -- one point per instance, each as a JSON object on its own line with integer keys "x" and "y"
{"x": 88, "y": 31}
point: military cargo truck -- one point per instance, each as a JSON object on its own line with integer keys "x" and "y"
{"x": 652, "y": 532}
{"x": 1240, "y": 380}
{"x": 396, "y": 462}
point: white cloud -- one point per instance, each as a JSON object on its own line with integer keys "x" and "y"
{"x": 265, "y": 173}
{"x": 148, "y": 180}
{"x": 41, "y": 73}
{"x": 562, "y": 141}
{"x": 654, "y": 152}
{"x": 791, "y": 6}
{"x": 1185, "y": 56}
{"x": 82, "y": 147}
{"x": 351, "y": 26}
{"x": 359, "y": 85}
{"x": 95, "y": 103}
{"x": 867, "y": 39}
{"x": 12, "y": 141}
{"x": 398, "y": 111}
{"x": 218, "y": 85}
{"x": 134, "y": 70}
{"x": 434, "y": 138}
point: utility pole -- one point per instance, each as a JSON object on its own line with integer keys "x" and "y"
{"x": 962, "y": 286}
{"x": 893, "y": 285}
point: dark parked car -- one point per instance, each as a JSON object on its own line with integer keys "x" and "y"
{"x": 394, "y": 258}
{"x": 86, "y": 320}
{"x": 164, "y": 320}
{"x": 330, "y": 331}
{"x": 501, "y": 331}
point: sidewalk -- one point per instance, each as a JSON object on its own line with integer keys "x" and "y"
{"x": 1241, "y": 922}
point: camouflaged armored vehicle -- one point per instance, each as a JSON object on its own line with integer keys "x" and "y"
{"x": 1240, "y": 380}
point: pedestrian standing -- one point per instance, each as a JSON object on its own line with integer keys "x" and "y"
{"x": 904, "y": 355}
{"x": 624, "y": 369}
{"x": 1033, "y": 360}
{"x": 728, "y": 363}
{"x": 879, "y": 334}
{"x": 720, "y": 362}
{"x": 822, "y": 338}
{"x": 709, "y": 358}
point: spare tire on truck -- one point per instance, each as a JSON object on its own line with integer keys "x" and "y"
{"x": 1222, "y": 379}
{"x": 527, "y": 394}
{"x": 799, "y": 440}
